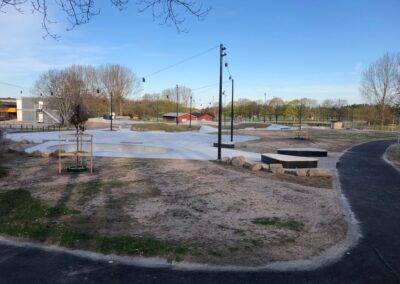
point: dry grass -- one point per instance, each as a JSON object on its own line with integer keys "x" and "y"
{"x": 393, "y": 153}
{"x": 206, "y": 207}
{"x": 164, "y": 127}
{"x": 331, "y": 140}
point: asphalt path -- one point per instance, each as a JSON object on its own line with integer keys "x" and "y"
{"x": 370, "y": 184}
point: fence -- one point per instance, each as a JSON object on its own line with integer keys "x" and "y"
{"x": 31, "y": 128}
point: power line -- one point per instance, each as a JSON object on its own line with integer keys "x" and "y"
{"x": 204, "y": 88}
{"x": 180, "y": 62}
{"x": 13, "y": 85}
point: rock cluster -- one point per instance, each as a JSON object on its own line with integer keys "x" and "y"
{"x": 241, "y": 162}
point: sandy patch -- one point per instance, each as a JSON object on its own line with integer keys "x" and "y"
{"x": 206, "y": 206}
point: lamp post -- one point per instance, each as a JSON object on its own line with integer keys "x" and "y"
{"x": 221, "y": 58}
{"x": 157, "y": 108}
{"x": 265, "y": 105}
{"x": 230, "y": 78}
{"x": 190, "y": 113}
{"x": 223, "y": 93}
{"x": 177, "y": 105}
{"x": 111, "y": 110}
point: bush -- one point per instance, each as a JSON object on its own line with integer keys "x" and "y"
{"x": 2, "y": 149}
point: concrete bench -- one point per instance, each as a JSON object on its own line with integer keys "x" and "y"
{"x": 289, "y": 162}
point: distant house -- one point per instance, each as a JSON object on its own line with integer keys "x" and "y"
{"x": 8, "y": 108}
{"x": 203, "y": 116}
{"x": 182, "y": 117}
{"x": 34, "y": 110}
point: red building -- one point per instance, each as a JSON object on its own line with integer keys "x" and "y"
{"x": 185, "y": 117}
{"x": 182, "y": 117}
{"x": 203, "y": 116}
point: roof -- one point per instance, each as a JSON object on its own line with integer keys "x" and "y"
{"x": 198, "y": 114}
{"x": 173, "y": 114}
{"x": 8, "y": 104}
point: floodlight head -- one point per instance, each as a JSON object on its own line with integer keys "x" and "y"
{"x": 230, "y": 77}
{"x": 143, "y": 79}
{"x": 226, "y": 64}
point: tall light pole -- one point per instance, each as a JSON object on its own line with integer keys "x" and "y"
{"x": 221, "y": 58}
{"x": 265, "y": 105}
{"x": 230, "y": 78}
{"x": 190, "y": 113}
{"x": 111, "y": 109}
{"x": 223, "y": 93}
{"x": 177, "y": 105}
{"x": 157, "y": 107}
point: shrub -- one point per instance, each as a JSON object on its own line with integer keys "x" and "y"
{"x": 2, "y": 150}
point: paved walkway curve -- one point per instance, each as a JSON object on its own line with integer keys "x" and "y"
{"x": 371, "y": 185}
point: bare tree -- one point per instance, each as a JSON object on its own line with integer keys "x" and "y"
{"x": 61, "y": 89}
{"x": 340, "y": 108}
{"x": 380, "y": 82}
{"x": 119, "y": 81}
{"x": 81, "y": 12}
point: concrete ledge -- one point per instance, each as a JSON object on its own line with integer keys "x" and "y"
{"x": 303, "y": 152}
{"x": 289, "y": 162}
{"x": 229, "y": 145}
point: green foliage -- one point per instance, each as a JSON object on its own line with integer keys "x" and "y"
{"x": 164, "y": 127}
{"x": 277, "y": 222}
{"x": 23, "y": 216}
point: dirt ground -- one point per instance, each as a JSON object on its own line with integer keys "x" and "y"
{"x": 206, "y": 206}
{"x": 331, "y": 140}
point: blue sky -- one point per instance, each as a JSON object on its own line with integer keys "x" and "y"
{"x": 284, "y": 48}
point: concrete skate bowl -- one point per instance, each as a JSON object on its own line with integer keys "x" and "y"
{"x": 117, "y": 150}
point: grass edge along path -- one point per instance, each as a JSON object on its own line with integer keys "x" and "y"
{"x": 25, "y": 217}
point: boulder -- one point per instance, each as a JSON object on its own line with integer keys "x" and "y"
{"x": 226, "y": 160}
{"x": 276, "y": 169}
{"x": 237, "y": 162}
{"x": 242, "y": 158}
{"x": 24, "y": 141}
{"x": 57, "y": 152}
{"x": 319, "y": 173}
{"x": 38, "y": 154}
{"x": 35, "y": 154}
{"x": 45, "y": 155}
{"x": 248, "y": 164}
{"x": 265, "y": 167}
{"x": 301, "y": 172}
{"x": 15, "y": 148}
{"x": 256, "y": 167}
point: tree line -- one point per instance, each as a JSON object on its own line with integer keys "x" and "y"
{"x": 92, "y": 87}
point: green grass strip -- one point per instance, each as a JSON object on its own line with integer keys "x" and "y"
{"x": 277, "y": 222}
{"x": 22, "y": 216}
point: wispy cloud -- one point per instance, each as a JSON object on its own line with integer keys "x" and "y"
{"x": 24, "y": 54}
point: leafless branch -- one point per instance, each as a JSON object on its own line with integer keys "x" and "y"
{"x": 79, "y": 12}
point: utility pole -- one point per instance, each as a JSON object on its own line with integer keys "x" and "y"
{"x": 190, "y": 113}
{"x": 223, "y": 93}
{"x": 265, "y": 105}
{"x": 111, "y": 108}
{"x": 157, "y": 108}
{"x": 221, "y": 58}
{"x": 232, "y": 111}
{"x": 177, "y": 105}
